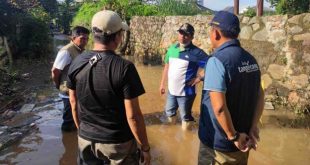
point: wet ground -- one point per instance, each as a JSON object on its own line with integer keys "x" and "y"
{"x": 46, "y": 144}
{"x": 170, "y": 145}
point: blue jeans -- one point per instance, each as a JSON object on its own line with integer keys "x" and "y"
{"x": 67, "y": 114}
{"x": 184, "y": 103}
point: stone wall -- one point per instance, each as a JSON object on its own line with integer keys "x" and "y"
{"x": 281, "y": 44}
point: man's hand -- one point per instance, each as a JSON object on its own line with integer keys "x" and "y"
{"x": 162, "y": 90}
{"x": 145, "y": 158}
{"x": 254, "y": 137}
{"x": 164, "y": 77}
{"x": 194, "y": 81}
{"x": 242, "y": 141}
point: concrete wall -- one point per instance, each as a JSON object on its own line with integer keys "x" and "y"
{"x": 281, "y": 44}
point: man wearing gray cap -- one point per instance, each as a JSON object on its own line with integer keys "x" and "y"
{"x": 184, "y": 63}
{"x": 104, "y": 91}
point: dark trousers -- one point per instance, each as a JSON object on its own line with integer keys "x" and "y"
{"x": 67, "y": 114}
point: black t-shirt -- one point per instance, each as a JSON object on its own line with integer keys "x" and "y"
{"x": 101, "y": 91}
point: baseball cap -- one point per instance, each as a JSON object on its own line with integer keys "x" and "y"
{"x": 108, "y": 22}
{"x": 226, "y": 21}
{"x": 187, "y": 28}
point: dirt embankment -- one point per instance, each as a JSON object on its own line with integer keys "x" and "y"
{"x": 26, "y": 76}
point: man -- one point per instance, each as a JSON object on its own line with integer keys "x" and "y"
{"x": 184, "y": 63}
{"x": 104, "y": 91}
{"x": 65, "y": 56}
{"x": 232, "y": 100}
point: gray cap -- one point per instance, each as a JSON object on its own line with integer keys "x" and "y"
{"x": 108, "y": 22}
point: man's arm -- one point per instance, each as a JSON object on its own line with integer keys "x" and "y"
{"x": 73, "y": 102}
{"x": 56, "y": 76}
{"x": 218, "y": 102}
{"x": 199, "y": 77}
{"x": 163, "y": 81}
{"x": 62, "y": 59}
{"x": 137, "y": 126}
{"x": 254, "y": 131}
{"x": 201, "y": 73}
{"x": 259, "y": 108}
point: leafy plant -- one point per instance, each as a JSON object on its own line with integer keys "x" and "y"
{"x": 24, "y": 24}
{"x": 290, "y": 6}
{"x": 250, "y": 12}
{"x": 175, "y": 7}
{"x": 129, "y": 8}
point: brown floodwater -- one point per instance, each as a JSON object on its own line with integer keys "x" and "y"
{"x": 170, "y": 144}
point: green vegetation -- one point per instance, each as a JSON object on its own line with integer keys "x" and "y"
{"x": 129, "y": 8}
{"x": 291, "y": 6}
{"x": 66, "y": 11}
{"x": 250, "y": 12}
{"x": 24, "y": 24}
{"x": 50, "y": 6}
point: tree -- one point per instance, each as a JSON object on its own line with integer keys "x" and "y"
{"x": 67, "y": 9}
{"x": 50, "y": 6}
{"x": 19, "y": 19}
{"x": 290, "y": 6}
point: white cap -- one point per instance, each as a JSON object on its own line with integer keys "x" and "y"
{"x": 108, "y": 22}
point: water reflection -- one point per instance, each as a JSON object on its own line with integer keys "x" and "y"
{"x": 69, "y": 141}
{"x": 170, "y": 144}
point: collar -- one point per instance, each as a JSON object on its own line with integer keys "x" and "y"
{"x": 104, "y": 51}
{"x": 77, "y": 47}
{"x": 232, "y": 42}
{"x": 187, "y": 47}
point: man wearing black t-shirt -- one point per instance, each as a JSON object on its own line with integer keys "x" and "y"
{"x": 104, "y": 91}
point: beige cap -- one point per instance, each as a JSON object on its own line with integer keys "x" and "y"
{"x": 108, "y": 21}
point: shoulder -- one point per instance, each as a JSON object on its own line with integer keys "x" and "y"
{"x": 63, "y": 52}
{"x": 198, "y": 52}
{"x": 215, "y": 62}
{"x": 119, "y": 59}
{"x": 245, "y": 52}
{"x": 228, "y": 53}
{"x": 81, "y": 59}
{"x": 85, "y": 56}
{"x": 173, "y": 46}
{"x": 63, "y": 57}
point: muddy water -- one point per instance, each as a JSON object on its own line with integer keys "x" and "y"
{"x": 170, "y": 145}
{"x": 46, "y": 144}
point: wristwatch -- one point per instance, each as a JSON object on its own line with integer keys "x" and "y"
{"x": 146, "y": 149}
{"x": 235, "y": 137}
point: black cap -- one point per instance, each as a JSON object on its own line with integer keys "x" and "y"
{"x": 187, "y": 28}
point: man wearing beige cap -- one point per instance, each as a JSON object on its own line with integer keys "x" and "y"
{"x": 104, "y": 91}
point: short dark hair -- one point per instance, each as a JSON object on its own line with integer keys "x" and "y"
{"x": 232, "y": 33}
{"x": 79, "y": 30}
{"x": 103, "y": 38}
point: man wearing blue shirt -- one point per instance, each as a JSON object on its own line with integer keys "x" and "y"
{"x": 232, "y": 97}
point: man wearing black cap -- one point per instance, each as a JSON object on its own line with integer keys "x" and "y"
{"x": 232, "y": 97}
{"x": 182, "y": 62}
